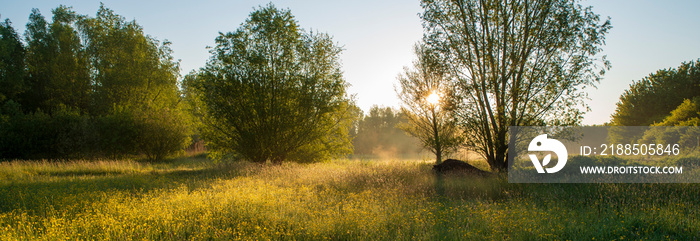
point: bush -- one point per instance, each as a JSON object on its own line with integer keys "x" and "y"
{"x": 117, "y": 133}
{"x": 25, "y": 136}
{"x": 161, "y": 132}
{"x": 684, "y": 161}
{"x": 66, "y": 134}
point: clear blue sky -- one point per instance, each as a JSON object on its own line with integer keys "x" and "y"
{"x": 378, "y": 36}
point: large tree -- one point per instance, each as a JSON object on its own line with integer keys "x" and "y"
{"x": 135, "y": 81}
{"x": 515, "y": 63}
{"x": 56, "y": 63}
{"x": 422, "y": 91}
{"x": 274, "y": 92}
{"x": 651, "y": 99}
{"x": 12, "y": 71}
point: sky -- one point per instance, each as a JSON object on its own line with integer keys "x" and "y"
{"x": 378, "y": 36}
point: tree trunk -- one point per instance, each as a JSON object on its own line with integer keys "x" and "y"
{"x": 436, "y": 136}
{"x": 438, "y": 157}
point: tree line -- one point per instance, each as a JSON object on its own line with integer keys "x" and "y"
{"x": 273, "y": 91}
{"x": 667, "y": 97}
{"x": 379, "y": 134}
{"x": 99, "y": 87}
{"x": 88, "y": 87}
{"x": 82, "y": 86}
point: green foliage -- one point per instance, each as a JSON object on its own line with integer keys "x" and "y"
{"x": 162, "y": 131}
{"x": 118, "y": 133}
{"x": 12, "y": 72}
{"x": 95, "y": 86}
{"x": 651, "y": 99}
{"x": 686, "y": 161}
{"x": 273, "y": 92}
{"x": 431, "y": 123}
{"x": 377, "y": 135}
{"x": 129, "y": 67}
{"x": 153, "y": 131}
{"x": 58, "y": 72}
{"x": 76, "y": 134}
{"x": 63, "y": 134}
{"x": 68, "y": 134}
{"x": 22, "y": 135}
{"x": 150, "y": 119}
{"x": 687, "y": 114}
{"x": 515, "y": 63}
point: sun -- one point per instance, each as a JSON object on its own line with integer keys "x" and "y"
{"x": 433, "y": 98}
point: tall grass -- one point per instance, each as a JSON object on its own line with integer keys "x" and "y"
{"x": 192, "y": 198}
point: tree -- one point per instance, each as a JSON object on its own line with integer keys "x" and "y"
{"x": 679, "y": 127}
{"x": 129, "y": 67}
{"x": 687, "y": 114}
{"x": 378, "y": 135}
{"x": 274, "y": 92}
{"x": 651, "y": 99}
{"x": 422, "y": 90}
{"x": 136, "y": 85}
{"x": 12, "y": 72}
{"x": 163, "y": 130}
{"x": 56, "y": 63}
{"x": 514, "y": 63}
{"x": 96, "y": 86}
{"x": 38, "y": 55}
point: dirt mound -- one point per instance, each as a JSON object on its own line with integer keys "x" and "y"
{"x": 457, "y": 166}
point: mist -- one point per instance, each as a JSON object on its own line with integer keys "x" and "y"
{"x": 377, "y": 136}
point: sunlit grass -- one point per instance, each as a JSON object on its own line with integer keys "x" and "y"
{"x": 193, "y": 198}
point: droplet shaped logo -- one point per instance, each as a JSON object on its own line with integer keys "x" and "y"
{"x": 541, "y": 143}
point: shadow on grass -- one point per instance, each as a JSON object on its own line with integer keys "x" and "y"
{"x": 68, "y": 190}
{"x": 78, "y": 173}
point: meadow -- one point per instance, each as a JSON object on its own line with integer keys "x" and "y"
{"x": 193, "y": 198}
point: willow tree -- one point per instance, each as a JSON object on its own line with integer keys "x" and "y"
{"x": 515, "y": 63}
{"x": 273, "y": 92}
{"x": 423, "y": 90}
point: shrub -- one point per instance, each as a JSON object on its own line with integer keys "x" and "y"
{"x": 161, "y": 132}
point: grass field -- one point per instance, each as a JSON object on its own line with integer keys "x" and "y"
{"x": 194, "y": 198}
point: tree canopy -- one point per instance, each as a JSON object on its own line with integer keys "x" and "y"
{"x": 12, "y": 71}
{"x": 678, "y": 127}
{"x": 687, "y": 114}
{"x": 652, "y": 99}
{"x": 514, "y": 63}
{"x": 274, "y": 92}
{"x": 58, "y": 71}
{"x": 88, "y": 87}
